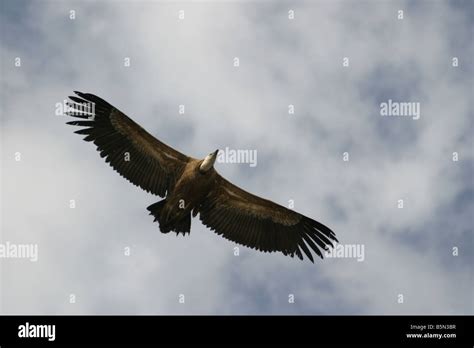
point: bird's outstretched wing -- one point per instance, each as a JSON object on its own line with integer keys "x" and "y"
{"x": 127, "y": 147}
{"x": 262, "y": 224}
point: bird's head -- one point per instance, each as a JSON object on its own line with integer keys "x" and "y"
{"x": 208, "y": 162}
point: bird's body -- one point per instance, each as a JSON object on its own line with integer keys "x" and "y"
{"x": 190, "y": 190}
{"x": 191, "y": 186}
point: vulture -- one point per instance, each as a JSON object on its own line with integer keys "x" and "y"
{"x": 192, "y": 186}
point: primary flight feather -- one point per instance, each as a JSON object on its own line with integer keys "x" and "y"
{"x": 193, "y": 186}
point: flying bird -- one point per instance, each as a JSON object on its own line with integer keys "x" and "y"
{"x": 192, "y": 186}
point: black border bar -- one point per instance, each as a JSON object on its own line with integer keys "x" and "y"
{"x": 242, "y": 329}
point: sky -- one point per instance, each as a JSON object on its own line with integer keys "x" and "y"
{"x": 336, "y": 157}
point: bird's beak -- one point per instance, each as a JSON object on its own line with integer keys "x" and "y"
{"x": 215, "y": 152}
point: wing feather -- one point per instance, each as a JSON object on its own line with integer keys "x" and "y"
{"x": 262, "y": 224}
{"x": 150, "y": 164}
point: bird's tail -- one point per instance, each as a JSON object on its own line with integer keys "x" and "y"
{"x": 181, "y": 226}
{"x": 155, "y": 210}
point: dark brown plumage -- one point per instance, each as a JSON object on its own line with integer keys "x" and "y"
{"x": 192, "y": 186}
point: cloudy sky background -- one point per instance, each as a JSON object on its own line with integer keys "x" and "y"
{"x": 81, "y": 251}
